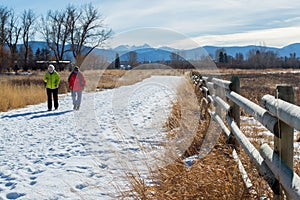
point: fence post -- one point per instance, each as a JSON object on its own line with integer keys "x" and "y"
{"x": 235, "y": 80}
{"x": 284, "y": 145}
{"x": 234, "y": 112}
{"x": 219, "y": 92}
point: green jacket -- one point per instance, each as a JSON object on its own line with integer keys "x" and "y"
{"x": 52, "y": 80}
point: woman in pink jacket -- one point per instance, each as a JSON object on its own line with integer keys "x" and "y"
{"x": 77, "y": 83}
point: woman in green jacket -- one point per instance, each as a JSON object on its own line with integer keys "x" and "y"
{"x": 52, "y": 79}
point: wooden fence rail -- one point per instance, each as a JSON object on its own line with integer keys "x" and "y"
{"x": 279, "y": 116}
{"x": 287, "y": 112}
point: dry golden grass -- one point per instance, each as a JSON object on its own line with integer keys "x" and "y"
{"x": 183, "y": 125}
{"x": 20, "y": 91}
{"x": 213, "y": 177}
{"x": 18, "y": 96}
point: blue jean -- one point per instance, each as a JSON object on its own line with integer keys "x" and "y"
{"x": 76, "y": 97}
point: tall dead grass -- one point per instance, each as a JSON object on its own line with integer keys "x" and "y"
{"x": 20, "y": 91}
{"x": 18, "y": 96}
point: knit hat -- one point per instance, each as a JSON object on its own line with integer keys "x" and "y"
{"x": 51, "y": 66}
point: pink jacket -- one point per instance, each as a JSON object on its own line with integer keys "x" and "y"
{"x": 76, "y": 81}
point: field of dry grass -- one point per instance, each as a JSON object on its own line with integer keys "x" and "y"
{"x": 20, "y": 91}
{"x": 264, "y": 82}
{"x": 18, "y": 96}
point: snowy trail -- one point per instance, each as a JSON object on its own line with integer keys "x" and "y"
{"x": 83, "y": 154}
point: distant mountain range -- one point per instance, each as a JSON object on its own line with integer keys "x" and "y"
{"x": 233, "y": 50}
{"x": 146, "y": 53}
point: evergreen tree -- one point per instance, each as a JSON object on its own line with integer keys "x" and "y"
{"x": 221, "y": 57}
{"x": 37, "y": 54}
{"x": 117, "y": 61}
{"x": 225, "y": 58}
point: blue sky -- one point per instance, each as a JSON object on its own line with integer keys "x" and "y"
{"x": 213, "y": 22}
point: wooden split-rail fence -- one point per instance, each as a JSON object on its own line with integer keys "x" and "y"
{"x": 278, "y": 114}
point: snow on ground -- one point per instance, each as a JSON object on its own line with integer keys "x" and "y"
{"x": 256, "y": 131}
{"x": 66, "y": 154}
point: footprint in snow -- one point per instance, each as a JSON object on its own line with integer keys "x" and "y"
{"x": 14, "y": 195}
{"x": 82, "y": 167}
{"x": 48, "y": 163}
{"x": 81, "y": 186}
{"x": 32, "y": 182}
{"x": 36, "y": 171}
{"x": 10, "y": 185}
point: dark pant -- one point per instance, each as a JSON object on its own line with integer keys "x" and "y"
{"x": 54, "y": 93}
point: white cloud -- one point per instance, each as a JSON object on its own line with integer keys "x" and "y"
{"x": 277, "y": 37}
{"x": 210, "y": 18}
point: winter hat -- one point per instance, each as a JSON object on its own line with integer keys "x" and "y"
{"x": 51, "y": 67}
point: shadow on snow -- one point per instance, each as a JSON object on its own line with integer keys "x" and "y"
{"x": 36, "y": 114}
{"x": 49, "y": 114}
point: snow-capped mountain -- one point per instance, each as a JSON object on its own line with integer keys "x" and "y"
{"x": 147, "y": 53}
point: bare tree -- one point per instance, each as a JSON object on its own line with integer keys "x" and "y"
{"x": 56, "y": 31}
{"x": 4, "y": 18}
{"x": 28, "y": 19}
{"x": 87, "y": 32}
{"x": 82, "y": 29}
{"x": 12, "y": 37}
